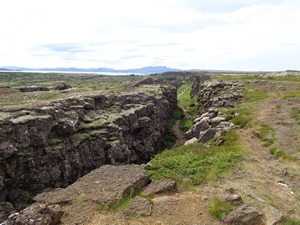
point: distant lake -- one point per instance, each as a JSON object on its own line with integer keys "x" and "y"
{"x": 99, "y": 73}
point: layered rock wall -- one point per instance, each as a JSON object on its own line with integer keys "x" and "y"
{"x": 53, "y": 144}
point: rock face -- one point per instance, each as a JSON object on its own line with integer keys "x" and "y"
{"x": 212, "y": 96}
{"x": 219, "y": 94}
{"x": 52, "y": 144}
{"x": 33, "y": 89}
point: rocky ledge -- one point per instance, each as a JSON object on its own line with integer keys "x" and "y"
{"x": 52, "y": 144}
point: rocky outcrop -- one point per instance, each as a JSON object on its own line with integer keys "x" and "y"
{"x": 209, "y": 125}
{"x": 32, "y": 89}
{"x": 62, "y": 86}
{"x": 37, "y": 214}
{"x": 216, "y": 94}
{"x": 211, "y": 97}
{"x": 52, "y": 144}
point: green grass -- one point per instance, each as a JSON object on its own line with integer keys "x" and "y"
{"x": 49, "y": 96}
{"x": 187, "y": 103}
{"x": 120, "y": 204}
{"x": 185, "y": 124}
{"x": 291, "y": 221}
{"x": 196, "y": 163}
{"x": 219, "y": 209}
{"x": 256, "y": 95}
{"x": 295, "y": 113}
{"x": 267, "y": 135}
{"x": 170, "y": 137}
{"x": 294, "y": 93}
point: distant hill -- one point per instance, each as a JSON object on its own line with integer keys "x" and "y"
{"x": 4, "y": 69}
{"x": 143, "y": 70}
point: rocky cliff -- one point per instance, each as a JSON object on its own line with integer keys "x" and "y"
{"x": 54, "y": 143}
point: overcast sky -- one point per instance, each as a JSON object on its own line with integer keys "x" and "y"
{"x": 122, "y": 34}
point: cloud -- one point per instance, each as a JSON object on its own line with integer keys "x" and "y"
{"x": 216, "y": 34}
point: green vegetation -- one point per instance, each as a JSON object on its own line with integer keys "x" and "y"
{"x": 185, "y": 124}
{"x": 49, "y": 95}
{"x": 170, "y": 138}
{"x": 255, "y": 95}
{"x": 243, "y": 118}
{"x": 196, "y": 162}
{"x": 186, "y": 102}
{"x": 121, "y": 203}
{"x": 267, "y": 135}
{"x": 288, "y": 94}
{"x": 21, "y": 152}
{"x": 295, "y": 113}
{"x": 84, "y": 80}
{"x": 219, "y": 209}
{"x": 291, "y": 221}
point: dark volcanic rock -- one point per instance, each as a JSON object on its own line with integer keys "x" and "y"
{"x": 62, "y": 86}
{"x": 6, "y": 208}
{"x": 37, "y": 214}
{"x": 33, "y": 89}
{"x": 57, "y": 142}
{"x": 207, "y": 135}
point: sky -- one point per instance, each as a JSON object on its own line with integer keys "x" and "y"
{"x": 247, "y": 35}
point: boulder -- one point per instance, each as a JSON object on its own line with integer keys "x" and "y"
{"x": 62, "y": 86}
{"x": 216, "y": 121}
{"x": 207, "y": 135}
{"x": 159, "y": 186}
{"x": 37, "y": 214}
{"x": 105, "y": 184}
{"x": 273, "y": 216}
{"x": 191, "y": 141}
{"x": 245, "y": 215}
{"x": 195, "y": 130}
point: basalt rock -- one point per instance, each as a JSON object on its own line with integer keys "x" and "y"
{"x": 211, "y": 96}
{"x": 217, "y": 94}
{"x": 52, "y": 144}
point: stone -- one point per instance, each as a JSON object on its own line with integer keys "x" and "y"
{"x": 19, "y": 198}
{"x": 7, "y": 150}
{"x": 6, "y": 208}
{"x": 105, "y": 184}
{"x": 235, "y": 199}
{"x": 62, "y": 86}
{"x": 207, "y": 135}
{"x": 195, "y": 130}
{"x": 37, "y": 214}
{"x": 139, "y": 207}
{"x": 216, "y": 121}
{"x": 245, "y": 215}
{"x": 160, "y": 186}
{"x": 273, "y": 216}
{"x": 191, "y": 141}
